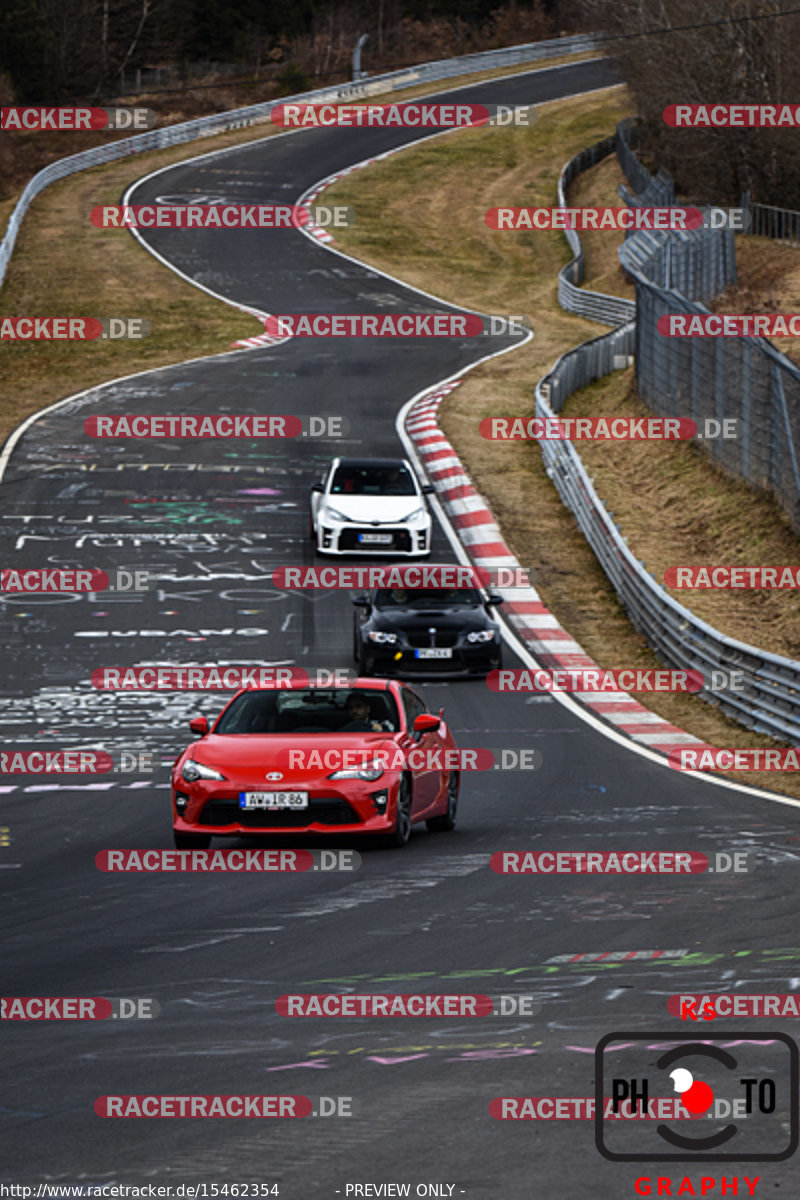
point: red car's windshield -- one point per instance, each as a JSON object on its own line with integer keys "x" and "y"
{"x": 311, "y": 710}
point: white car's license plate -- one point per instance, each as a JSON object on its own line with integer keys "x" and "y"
{"x": 375, "y": 539}
{"x": 434, "y": 652}
{"x": 273, "y": 799}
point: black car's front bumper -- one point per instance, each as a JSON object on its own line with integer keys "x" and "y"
{"x": 404, "y": 661}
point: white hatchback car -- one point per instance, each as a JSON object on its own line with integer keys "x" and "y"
{"x": 371, "y": 506}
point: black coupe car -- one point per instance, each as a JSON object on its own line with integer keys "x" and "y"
{"x": 426, "y": 631}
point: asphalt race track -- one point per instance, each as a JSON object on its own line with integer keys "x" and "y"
{"x": 216, "y": 952}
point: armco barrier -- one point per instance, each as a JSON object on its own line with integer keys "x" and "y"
{"x": 173, "y": 135}
{"x": 609, "y": 310}
{"x": 659, "y": 189}
{"x": 769, "y": 699}
{"x": 745, "y": 378}
{"x": 780, "y": 224}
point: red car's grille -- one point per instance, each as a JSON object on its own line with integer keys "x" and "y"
{"x": 326, "y": 811}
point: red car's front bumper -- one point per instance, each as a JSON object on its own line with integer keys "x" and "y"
{"x": 212, "y": 808}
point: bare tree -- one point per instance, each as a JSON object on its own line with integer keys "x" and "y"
{"x": 706, "y": 52}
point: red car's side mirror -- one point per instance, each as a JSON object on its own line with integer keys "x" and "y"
{"x": 426, "y": 723}
{"x": 199, "y": 725}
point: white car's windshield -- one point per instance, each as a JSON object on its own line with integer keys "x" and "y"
{"x": 372, "y": 481}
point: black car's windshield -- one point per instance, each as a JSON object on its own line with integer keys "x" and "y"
{"x": 311, "y": 710}
{"x": 372, "y": 481}
{"x": 426, "y": 597}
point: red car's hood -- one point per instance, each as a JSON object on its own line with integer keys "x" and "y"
{"x": 248, "y": 758}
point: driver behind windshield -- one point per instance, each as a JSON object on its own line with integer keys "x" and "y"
{"x": 358, "y": 712}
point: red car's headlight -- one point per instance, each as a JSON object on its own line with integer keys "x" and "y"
{"x": 191, "y": 771}
{"x": 368, "y": 774}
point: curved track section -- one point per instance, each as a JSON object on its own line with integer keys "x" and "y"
{"x": 214, "y": 519}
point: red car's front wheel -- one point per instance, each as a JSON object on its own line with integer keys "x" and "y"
{"x": 447, "y": 820}
{"x": 402, "y": 824}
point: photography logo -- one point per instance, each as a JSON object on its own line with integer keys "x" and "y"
{"x": 740, "y": 1093}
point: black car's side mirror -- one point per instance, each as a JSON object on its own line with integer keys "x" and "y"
{"x": 199, "y": 725}
{"x": 428, "y": 489}
{"x": 361, "y": 602}
{"x": 493, "y": 598}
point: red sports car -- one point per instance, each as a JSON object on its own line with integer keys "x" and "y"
{"x": 366, "y": 758}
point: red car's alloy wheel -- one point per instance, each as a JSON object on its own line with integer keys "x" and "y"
{"x": 447, "y": 820}
{"x": 402, "y": 825}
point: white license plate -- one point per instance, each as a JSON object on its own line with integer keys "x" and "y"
{"x": 434, "y": 652}
{"x": 375, "y": 539}
{"x": 273, "y": 799}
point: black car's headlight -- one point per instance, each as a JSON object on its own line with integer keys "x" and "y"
{"x": 481, "y": 635}
{"x": 191, "y": 771}
{"x": 383, "y": 639}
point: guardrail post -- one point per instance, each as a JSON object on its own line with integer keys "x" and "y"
{"x": 358, "y": 74}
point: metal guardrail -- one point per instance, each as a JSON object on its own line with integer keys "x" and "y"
{"x": 173, "y": 135}
{"x": 658, "y": 190}
{"x": 696, "y": 264}
{"x": 747, "y": 379}
{"x": 769, "y": 700}
{"x": 609, "y": 310}
{"x": 780, "y": 224}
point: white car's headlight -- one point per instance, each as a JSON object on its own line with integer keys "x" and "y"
{"x": 416, "y": 515}
{"x": 481, "y": 635}
{"x": 377, "y": 635}
{"x": 368, "y": 774}
{"x": 191, "y": 771}
{"x": 333, "y": 513}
